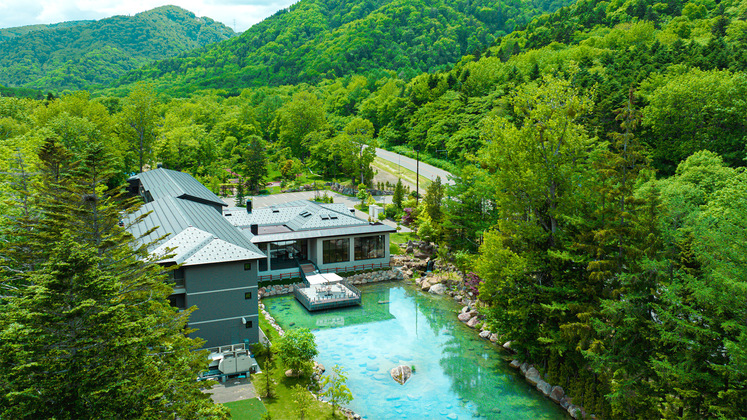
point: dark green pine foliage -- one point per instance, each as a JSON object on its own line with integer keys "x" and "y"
{"x": 399, "y": 194}
{"x": 255, "y": 158}
{"x": 92, "y": 334}
{"x": 623, "y": 268}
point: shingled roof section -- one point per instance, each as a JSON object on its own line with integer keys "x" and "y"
{"x": 161, "y": 183}
{"x": 171, "y": 216}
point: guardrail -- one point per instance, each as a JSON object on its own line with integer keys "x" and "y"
{"x": 295, "y": 274}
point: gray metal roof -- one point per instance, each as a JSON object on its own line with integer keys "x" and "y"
{"x": 297, "y": 215}
{"x": 321, "y": 233}
{"x": 171, "y": 216}
{"x": 193, "y": 246}
{"x": 162, "y": 183}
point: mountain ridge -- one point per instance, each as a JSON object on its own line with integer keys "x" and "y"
{"x": 81, "y": 56}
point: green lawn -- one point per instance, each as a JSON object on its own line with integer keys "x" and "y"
{"x": 396, "y": 241}
{"x": 403, "y": 237}
{"x": 282, "y": 406}
{"x": 251, "y": 409}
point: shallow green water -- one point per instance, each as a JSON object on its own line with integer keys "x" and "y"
{"x": 457, "y": 374}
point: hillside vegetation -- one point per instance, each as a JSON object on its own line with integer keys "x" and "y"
{"x": 325, "y": 39}
{"x": 600, "y": 197}
{"x": 86, "y": 54}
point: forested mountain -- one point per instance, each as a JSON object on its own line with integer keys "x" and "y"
{"x": 324, "y": 39}
{"x": 8, "y": 33}
{"x": 599, "y": 150}
{"x": 81, "y": 55}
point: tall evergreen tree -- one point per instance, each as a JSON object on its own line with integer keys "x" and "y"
{"x": 93, "y": 335}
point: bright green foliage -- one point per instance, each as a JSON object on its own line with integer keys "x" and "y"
{"x": 434, "y": 196}
{"x": 698, "y": 110}
{"x": 359, "y": 133}
{"x": 255, "y": 159}
{"x": 78, "y": 55}
{"x": 399, "y": 194}
{"x": 264, "y": 382}
{"x": 336, "y": 390}
{"x": 537, "y": 169}
{"x": 298, "y": 118}
{"x": 362, "y": 193}
{"x": 323, "y": 39}
{"x": 706, "y": 293}
{"x": 297, "y": 349}
{"x": 91, "y": 331}
{"x": 139, "y": 118}
{"x": 303, "y": 400}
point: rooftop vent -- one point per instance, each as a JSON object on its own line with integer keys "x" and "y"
{"x": 305, "y": 214}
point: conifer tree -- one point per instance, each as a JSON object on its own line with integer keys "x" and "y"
{"x": 92, "y": 333}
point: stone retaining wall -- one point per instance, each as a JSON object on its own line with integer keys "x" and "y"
{"x": 357, "y": 279}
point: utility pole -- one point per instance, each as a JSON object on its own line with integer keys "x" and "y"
{"x": 417, "y": 178}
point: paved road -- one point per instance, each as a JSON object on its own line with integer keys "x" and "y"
{"x": 426, "y": 170}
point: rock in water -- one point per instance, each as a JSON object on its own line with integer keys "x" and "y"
{"x": 401, "y": 374}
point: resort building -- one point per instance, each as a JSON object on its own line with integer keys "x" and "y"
{"x": 184, "y": 225}
{"x": 223, "y": 253}
{"x": 327, "y": 235}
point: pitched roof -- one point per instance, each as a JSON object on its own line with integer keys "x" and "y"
{"x": 301, "y": 219}
{"x": 172, "y": 217}
{"x": 297, "y": 215}
{"x": 193, "y": 246}
{"x": 162, "y": 183}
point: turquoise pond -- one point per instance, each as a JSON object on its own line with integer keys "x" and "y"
{"x": 457, "y": 374}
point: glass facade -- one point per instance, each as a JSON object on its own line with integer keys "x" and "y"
{"x": 284, "y": 254}
{"x": 369, "y": 247}
{"x": 336, "y": 250}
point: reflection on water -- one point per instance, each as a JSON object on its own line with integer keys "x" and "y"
{"x": 457, "y": 374}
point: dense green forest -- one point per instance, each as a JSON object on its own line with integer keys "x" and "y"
{"x": 326, "y": 39}
{"x": 598, "y": 152}
{"x": 85, "y": 54}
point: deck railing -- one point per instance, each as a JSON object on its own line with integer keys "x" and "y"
{"x": 295, "y": 274}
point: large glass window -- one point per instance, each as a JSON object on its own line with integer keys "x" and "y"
{"x": 336, "y": 250}
{"x": 369, "y": 247}
{"x": 284, "y": 254}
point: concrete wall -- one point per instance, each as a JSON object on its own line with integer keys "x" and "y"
{"x": 219, "y": 291}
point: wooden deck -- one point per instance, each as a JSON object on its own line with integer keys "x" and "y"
{"x": 317, "y": 297}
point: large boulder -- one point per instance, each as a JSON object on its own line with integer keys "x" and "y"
{"x": 437, "y": 289}
{"x": 425, "y": 285}
{"x": 544, "y": 388}
{"x": 464, "y": 317}
{"x": 556, "y": 394}
{"x": 472, "y": 323}
{"x": 533, "y": 376}
{"x": 524, "y": 368}
{"x": 485, "y": 334}
{"x": 401, "y": 374}
{"x": 515, "y": 364}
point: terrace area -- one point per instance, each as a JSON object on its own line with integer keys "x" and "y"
{"x": 324, "y": 291}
